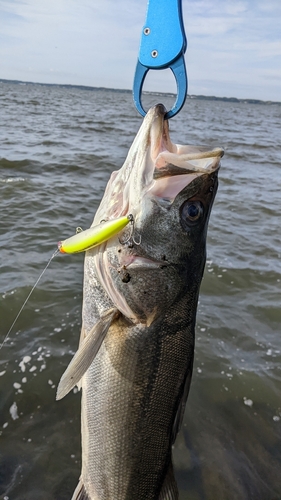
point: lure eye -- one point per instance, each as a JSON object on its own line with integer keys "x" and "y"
{"x": 191, "y": 211}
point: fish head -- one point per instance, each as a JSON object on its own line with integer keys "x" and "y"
{"x": 169, "y": 189}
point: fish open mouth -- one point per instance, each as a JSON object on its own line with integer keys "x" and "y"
{"x": 155, "y": 167}
{"x": 175, "y": 166}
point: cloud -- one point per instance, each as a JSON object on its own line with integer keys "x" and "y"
{"x": 233, "y": 47}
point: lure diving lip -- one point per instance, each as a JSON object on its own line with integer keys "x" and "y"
{"x": 94, "y": 236}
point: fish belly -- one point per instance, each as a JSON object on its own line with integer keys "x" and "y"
{"x": 130, "y": 397}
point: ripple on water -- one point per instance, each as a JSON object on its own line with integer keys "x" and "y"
{"x": 59, "y": 147}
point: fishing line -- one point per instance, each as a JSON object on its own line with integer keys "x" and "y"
{"x": 80, "y": 242}
{"x": 23, "y": 305}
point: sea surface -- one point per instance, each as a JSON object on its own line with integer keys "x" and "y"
{"x": 58, "y": 147}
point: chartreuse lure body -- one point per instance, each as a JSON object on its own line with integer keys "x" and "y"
{"x": 94, "y": 236}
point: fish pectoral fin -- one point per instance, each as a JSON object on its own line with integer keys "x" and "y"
{"x": 86, "y": 353}
{"x": 80, "y": 492}
{"x": 169, "y": 490}
{"x": 181, "y": 407}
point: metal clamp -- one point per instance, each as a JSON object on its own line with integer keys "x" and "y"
{"x": 163, "y": 44}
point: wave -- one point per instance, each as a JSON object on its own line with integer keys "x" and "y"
{"x": 12, "y": 179}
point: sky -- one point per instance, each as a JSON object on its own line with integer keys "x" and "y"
{"x": 234, "y": 46}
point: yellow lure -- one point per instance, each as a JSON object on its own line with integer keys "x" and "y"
{"x": 94, "y": 236}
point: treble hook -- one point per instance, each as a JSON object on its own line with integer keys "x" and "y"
{"x": 131, "y": 239}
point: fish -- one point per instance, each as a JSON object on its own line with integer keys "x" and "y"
{"x": 135, "y": 356}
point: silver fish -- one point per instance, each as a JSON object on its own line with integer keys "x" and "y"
{"x": 135, "y": 357}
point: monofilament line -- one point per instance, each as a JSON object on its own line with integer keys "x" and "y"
{"x": 34, "y": 286}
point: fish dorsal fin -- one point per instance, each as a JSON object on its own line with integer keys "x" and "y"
{"x": 86, "y": 353}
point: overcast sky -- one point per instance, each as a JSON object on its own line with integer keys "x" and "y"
{"x": 234, "y": 47}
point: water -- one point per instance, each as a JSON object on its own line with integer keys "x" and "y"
{"x": 58, "y": 148}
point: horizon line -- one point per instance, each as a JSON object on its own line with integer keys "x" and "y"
{"x": 189, "y": 96}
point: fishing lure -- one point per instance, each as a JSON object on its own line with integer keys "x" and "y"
{"x": 83, "y": 240}
{"x": 94, "y": 236}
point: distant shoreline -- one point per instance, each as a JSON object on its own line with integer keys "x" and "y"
{"x": 126, "y": 91}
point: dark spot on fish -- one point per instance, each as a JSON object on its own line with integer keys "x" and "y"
{"x": 119, "y": 250}
{"x": 125, "y": 277}
{"x": 163, "y": 257}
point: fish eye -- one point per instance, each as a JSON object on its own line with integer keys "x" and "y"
{"x": 191, "y": 211}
